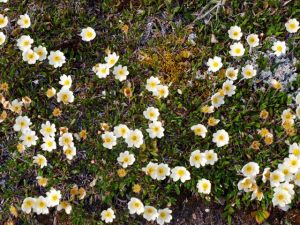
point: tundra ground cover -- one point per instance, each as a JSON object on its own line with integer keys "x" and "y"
{"x": 151, "y": 112}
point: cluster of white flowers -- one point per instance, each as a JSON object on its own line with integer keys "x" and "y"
{"x": 65, "y": 95}
{"x": 248, "y": 184}
{"x": 41, "y": 205}
{"x": 288, "y": 117}
{"x": 102, "y": 70}
{"x": 24, "y": 43}
{"x": 150, "y": 213}
{"x": 3, "y": 24}
{"x": 48, "y": 131}
{"x": 155, "y": 129}
{"x": 66, "y": 141}
{"x": 31, "y": 56}
{"x": 285, "y": 178}
{"x": 158, "y": 90}
{"x": 208, "y": 157}
{"x": 221, "y": 137}
{"x": 282, "y": 180}
{"x": 28, "y": 137}
{"x": 133, "y": 138}
{"x": 161, "y": 171}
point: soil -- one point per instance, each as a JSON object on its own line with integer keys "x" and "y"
{"x": 196, "y": 212}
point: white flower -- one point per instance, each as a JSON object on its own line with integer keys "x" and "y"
{"x": 197, "y": 159}
{"x": 293, "y": 163}
{"x": 29, "y": 138}
{"x": 151, "y": 113}
{"x": 276, "y": 84}
{"x": 214, "y": 64}
{"x": 180, "y": 173}
{"x": 221, "y": 138}
{"x": 69, "y": 151}
{"x": 135, "y": 206}
{"x": 251, "y": 169}
{"x": 237, "y": 49}
{"x": 162, "y": 171}
{"x": 53, "y": 197}
{"x": 4, "y": 1}
{"x": 156, "y": 130}
{"x": 48, "y": 129}
{"x": 248, "y": 72}
{"x": 246, "y": 184}
{"x": 150, "y": 213}
{"x": 287, "y": 187}
{"x": 65, "y": 95}
{"x": 16, "y": 106}
{"x": 231, "y": 73}
{"x": 257, "y": 194}
{"x": 134, "y": 138}
{"x": 24, "y": 21}
{"x": 152, "y": 84}
{"x": 151, "y": 170}
{"x": 276, "y": 177}
{"x": 204, "y": 186}
{"x": 111, "y": 59}
{"x": 49, "y": 144}
{"x": 199, "y": 130}
{"x": 235, "y": 33}
{"x": 120, "y": 72}
{"x": 56, "y": 58}
{"x": 40, "y": 160}
{"x": 281, "y": 198}
{"x": 66, "y": 139}
{"x": 101, "y": 70}
{"x": 211, "y": 157}
{"x": 2, "y": 38}
{"x": 41, "y": 206}
{"x": 65, "y": 81}
{"x": 285, "y": 169}
{"x": 24, "y": 42}
{"x": 266, "y": 174}
{"x": 297, "y": 99}
{"x": 3, "y": 21}
{"x": 41, "y": 51}
{"x": 126, "y": 159}
{"x": 121, "y": 131}
{"x": 66, "y": 206}
{"x": 22, "y": 123}
{"x": 297, "y": 178}
{"x": 108, "y": 215}
{"x": 292, "y": 25}
{"x": 229, "y": 88}
{"x": 164, "y": 216}
{"x": 298, "y": 111}
{"x": 30, "y": 56}
{"x": 88, "y": 34}
{"x": 28, "y": 204}
{"x": 294, "y": 149}
{"x": 217, "y": 100}
{"x": 287, "y": 114}
{"x": 253, "y": 40}
{"x": 109, "y": 140}
{"x": 279, "y": 48}
{"x": 162, "y": 91}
